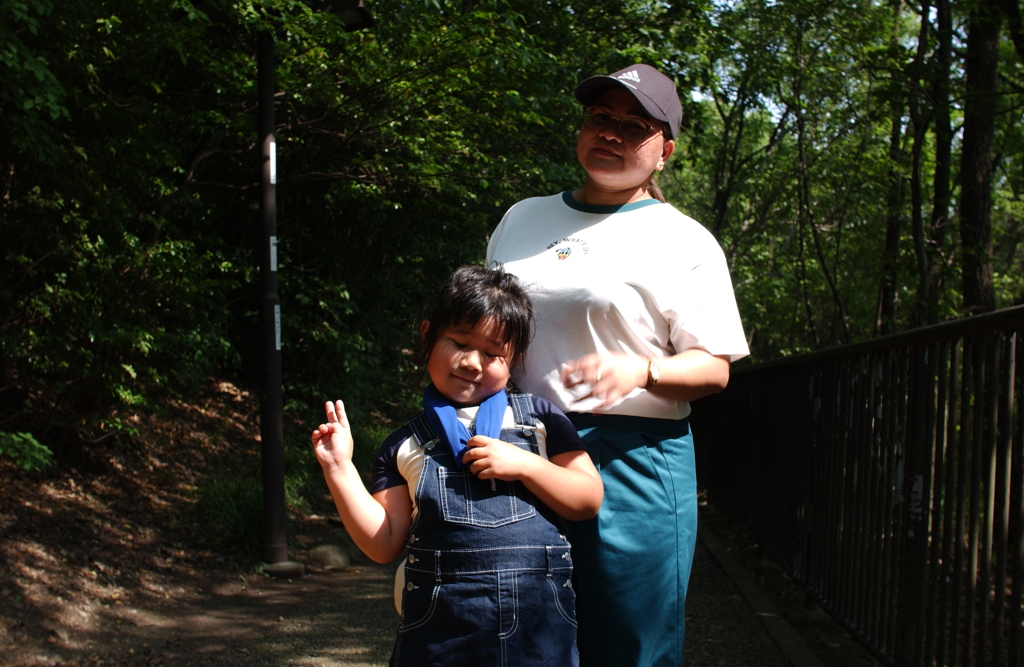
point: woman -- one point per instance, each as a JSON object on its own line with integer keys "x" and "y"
{"x": 635, "y": 318}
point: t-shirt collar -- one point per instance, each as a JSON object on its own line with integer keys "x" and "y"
{"x": 571, "y": 202}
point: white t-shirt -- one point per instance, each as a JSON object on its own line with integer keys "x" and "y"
{"x": 640, "y": 279}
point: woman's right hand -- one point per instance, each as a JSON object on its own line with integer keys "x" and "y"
{"x": 332, "y": 441}
{"x": 610, "y": 376}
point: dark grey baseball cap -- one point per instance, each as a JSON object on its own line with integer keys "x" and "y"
{"x": 652, "y": 89}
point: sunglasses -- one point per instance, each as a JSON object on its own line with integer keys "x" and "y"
{"x": 630, "y": 129}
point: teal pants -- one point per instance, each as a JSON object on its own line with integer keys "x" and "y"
{"x": 632, "y": 561}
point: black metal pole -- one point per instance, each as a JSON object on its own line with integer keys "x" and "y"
{"x": 275, "y": 547}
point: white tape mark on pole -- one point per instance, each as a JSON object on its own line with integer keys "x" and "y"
{"x": 273, "y": 163}
{"x": 277, "y": 325}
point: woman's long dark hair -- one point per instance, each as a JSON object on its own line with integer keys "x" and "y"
{"x": 654, "y": 190}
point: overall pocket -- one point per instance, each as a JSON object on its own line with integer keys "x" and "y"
{"x": 419, "y": 599}
{"x": 468, "y": 500}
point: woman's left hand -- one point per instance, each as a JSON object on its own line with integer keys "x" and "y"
{"x": 610, "y": 376}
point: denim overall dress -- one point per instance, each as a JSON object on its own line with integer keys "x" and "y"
{"x": 488, "y": 574}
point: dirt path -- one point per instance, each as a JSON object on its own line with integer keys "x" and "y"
{"x": 346, "y": 618}
{"x": 341, "y": 618}
{"x": 328, "y": 618}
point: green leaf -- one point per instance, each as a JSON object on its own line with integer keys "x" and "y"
{"x": 26, "y": 452}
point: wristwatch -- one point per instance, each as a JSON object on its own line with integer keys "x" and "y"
{"x": 653, "y": 373}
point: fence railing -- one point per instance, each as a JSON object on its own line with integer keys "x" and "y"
{"x": 887, "y": 478}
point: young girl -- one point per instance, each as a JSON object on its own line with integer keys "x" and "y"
{"x": 476, "y": 486}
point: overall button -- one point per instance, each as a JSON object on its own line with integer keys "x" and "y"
{"x": 412, "y": 558}
{"x": 411, "y": 586}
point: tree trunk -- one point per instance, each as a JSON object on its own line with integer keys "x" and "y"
{"x": 1015, "y": 25}
{"x": 982, "y": 78}
{"x": 886, "y": 319}
{"x": 928, "y": 297}
{"x": 918, "y": 131}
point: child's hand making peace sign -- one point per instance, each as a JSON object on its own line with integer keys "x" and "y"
{"x": 332, "y": 441}
{"x": 378, "y": 523}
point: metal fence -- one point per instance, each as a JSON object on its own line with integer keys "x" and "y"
{"x": 887, "y": 477}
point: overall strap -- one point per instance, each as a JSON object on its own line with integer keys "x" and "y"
{"x": 420, "y": 428}
{"x": 522, "y": 413}
{"x": 522, "y": 409}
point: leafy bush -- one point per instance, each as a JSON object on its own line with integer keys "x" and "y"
{"x": 26, "y": 452}
{"x": 228, "y": 516}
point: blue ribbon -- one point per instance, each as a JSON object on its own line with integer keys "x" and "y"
{"x": 440, "y": 414}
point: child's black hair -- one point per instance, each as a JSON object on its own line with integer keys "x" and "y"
{"x": 474, "y": 293}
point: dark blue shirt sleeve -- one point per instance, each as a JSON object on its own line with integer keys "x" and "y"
{"x": 562, "y": 436}
{"x": 384, "y": 473}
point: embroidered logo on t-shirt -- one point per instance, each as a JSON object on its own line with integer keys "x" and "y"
{"x": 565, "y": 247}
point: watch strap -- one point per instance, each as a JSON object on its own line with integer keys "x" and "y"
{"x": 653, "y": 373}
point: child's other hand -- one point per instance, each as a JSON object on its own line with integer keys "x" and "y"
{"x": 490, "y": 458}
{"x": 332, "y": 441}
